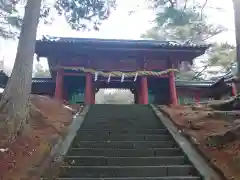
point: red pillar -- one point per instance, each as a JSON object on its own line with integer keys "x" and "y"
{"x": 197, "y": 96}
{"x": 59, "y": 85}
{"x": 172, "y": 89}
{"x": 88, "y": 89}
{"x": 144, "y": 90}
{"x": 234, "y": 89}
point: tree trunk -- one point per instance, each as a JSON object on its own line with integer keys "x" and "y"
{"x": 15, "y": 100}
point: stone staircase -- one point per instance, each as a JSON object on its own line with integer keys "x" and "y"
{"x": 125, "y": 142}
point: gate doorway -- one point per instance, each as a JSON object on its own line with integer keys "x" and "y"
{"x": 114, "y": 96}
{"x": 116, "y": 92}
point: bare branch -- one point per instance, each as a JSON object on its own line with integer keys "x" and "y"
{"x": 172, "y": 3}
{"x": 204, "y": 5}
{"x": 185, "y": 5}
{"x": 200, "y": 73}
{"x": 210, "y": 36}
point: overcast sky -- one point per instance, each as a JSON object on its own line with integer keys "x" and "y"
{"x": 122, "y": 26}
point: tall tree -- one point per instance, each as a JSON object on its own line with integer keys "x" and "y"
{"x": 15, "y": 100}
{"x": 236, "y": 5}
{"x": 233, "y": 103}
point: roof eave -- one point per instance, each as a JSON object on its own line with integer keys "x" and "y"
{"x": 44, "y": 52}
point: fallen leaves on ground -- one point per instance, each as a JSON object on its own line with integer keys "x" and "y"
{"x": 48, "y": 121}
{"x": 215, "y": 134}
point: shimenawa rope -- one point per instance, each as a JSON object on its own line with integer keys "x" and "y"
{"x": 119, "y": 73}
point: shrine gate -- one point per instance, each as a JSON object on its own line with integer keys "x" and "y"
{"x": 80, "y": 67}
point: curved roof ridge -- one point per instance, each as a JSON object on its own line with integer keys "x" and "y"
{"x": 122, "y": 41}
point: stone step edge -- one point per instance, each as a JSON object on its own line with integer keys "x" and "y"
{"x": 130, "y": 129}
{"x": 135, "y": 135}
{"x": 57, "y": 153}
{"x": 141, "y": 157}
{"x": 134, "y": 178}
{"x": 199, "y": 162}
{"x": 115, "y": 149}
{"x": 120, "y": 141}
{"x": 126, "y": 167}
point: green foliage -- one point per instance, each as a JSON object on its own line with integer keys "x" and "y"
{"x": 188, "y": 23}
{"x": 9, "y": 18}
{"x": 221, "y": 55}
{"x": 155, "y": 34}
{"x": 188, "y": 75}
{"x": 173, "y": 17}
{"x": 221, "y": 61}
{"x": 159, "y": 3}
{"x": 80, "y": 14}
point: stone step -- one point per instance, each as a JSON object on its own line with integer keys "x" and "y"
{"x": 126, "y": 171}
{"x": 124, "y": 144}
{"x": 122, "y": 137}
{"x": 123, "y": 161}
{"x": 122, "y": 118}
{"x": 122, "y": 122}
{"x": 122, "y": 125}
{"x": 121, "y": 142}
{"x": 130, "y": 127}
{"x": 97, "y": 132}
{"x": 110, "y": 152}
{"x": 136, "y": 178}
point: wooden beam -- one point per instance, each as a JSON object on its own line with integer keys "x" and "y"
{"x": 73, "y": 74}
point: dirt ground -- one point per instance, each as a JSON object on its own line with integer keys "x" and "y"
{"x": 48, "y": 121}
{"x": 216, "y": 136}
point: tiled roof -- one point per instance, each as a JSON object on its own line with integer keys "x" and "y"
{"x": 227, "y": 78}
{"x": 42, "y": 80}
{"x": 230, "y": 78}
{"x": 134, "y": 43}
{"x": 184, "y": 83}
